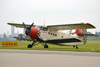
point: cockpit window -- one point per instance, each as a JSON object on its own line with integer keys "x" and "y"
{"x": 43, "y": 28}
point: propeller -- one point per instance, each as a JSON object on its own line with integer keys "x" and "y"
{"x": 24, "y": 25}
{"x": 28, "y": 29}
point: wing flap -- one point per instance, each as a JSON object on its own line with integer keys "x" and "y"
{"x": 71, "y": 26}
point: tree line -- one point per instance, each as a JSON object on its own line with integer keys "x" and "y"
{"x": 5, "y": 38}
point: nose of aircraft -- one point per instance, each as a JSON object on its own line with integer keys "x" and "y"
{"x": 32, "y": 32}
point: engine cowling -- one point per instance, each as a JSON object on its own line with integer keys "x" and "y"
{"x": 33, "y": 33}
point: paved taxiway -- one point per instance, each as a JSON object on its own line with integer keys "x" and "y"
{"x": 41, "y": 58}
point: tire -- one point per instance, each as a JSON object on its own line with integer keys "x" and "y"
{"x": 45, "y": 46}
{"x": 29, "y": 46}
{"x": 76, "y": 47}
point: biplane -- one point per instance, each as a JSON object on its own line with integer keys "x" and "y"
{"x": 53, "y": 34}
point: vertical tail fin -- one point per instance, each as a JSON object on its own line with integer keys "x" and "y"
{"x": 82, "y": 31}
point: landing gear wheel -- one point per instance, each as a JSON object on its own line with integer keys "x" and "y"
{"x": 45, "y": 46}
{"x": 76, "y": 47}
{"x": 29, "y": 46}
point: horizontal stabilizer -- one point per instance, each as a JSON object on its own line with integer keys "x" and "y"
{"x": 88, "y": 35}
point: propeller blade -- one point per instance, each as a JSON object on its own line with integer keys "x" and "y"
{"x": 31, "y": 26}
{"x": 24, "y": 25}
{"x": 29, "y": 35}
{"x": 28, "y": 29}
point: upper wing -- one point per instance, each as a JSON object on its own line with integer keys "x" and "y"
{"x": 71, "y": 26}
{"x": 20, "y": 25}
{"x": 60, "y": 27}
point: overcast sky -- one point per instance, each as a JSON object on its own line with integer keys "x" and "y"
{"x": 53, "y": 11}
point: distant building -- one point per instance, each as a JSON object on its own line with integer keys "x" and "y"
{"x": 7, "y": 34}
{"x": 12, "y": 30}
{"x": 1, "y": 36}
{"x": 18, "y": 32}
{"x": 13, "y": 33}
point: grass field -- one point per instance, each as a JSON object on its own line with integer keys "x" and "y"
{"x": 91, "y": 44}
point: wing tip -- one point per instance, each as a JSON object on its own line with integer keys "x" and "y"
{"x": 95, "y": 35}
{"x": 90, "y": 25}
{"x": 8, "y": 23}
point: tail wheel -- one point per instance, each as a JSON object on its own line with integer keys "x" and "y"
{"x": 76, "y": 47}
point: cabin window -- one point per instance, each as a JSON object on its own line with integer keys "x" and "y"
{"x": 52, "y": 34}
{"x": 55, "y": 34}
{"x": 62, "y": 36}
{"x": 48, "y": 32}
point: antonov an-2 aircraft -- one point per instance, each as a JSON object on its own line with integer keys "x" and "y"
{"x": 51, "y": 34}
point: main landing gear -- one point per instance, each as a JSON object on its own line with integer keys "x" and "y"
{"x": 30, "y": 45}
{"x": 34, "y": 43}
{"x": 76, "y": 46}
{"x": 45, "y": 46}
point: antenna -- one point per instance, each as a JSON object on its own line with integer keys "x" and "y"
{"x": 44, "y": 23}
{"x": 12, "y": 21}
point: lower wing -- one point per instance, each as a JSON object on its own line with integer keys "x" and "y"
{"x": 68, "y": 40}
{"x": 23, "y": 38}
{"x": 88, "y": 35}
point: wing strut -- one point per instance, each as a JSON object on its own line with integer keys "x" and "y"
{"x": 70, "y": 32}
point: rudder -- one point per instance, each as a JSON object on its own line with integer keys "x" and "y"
{"x": 82, "y": 31}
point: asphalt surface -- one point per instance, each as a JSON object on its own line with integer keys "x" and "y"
{"x": 43, "y": 58}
